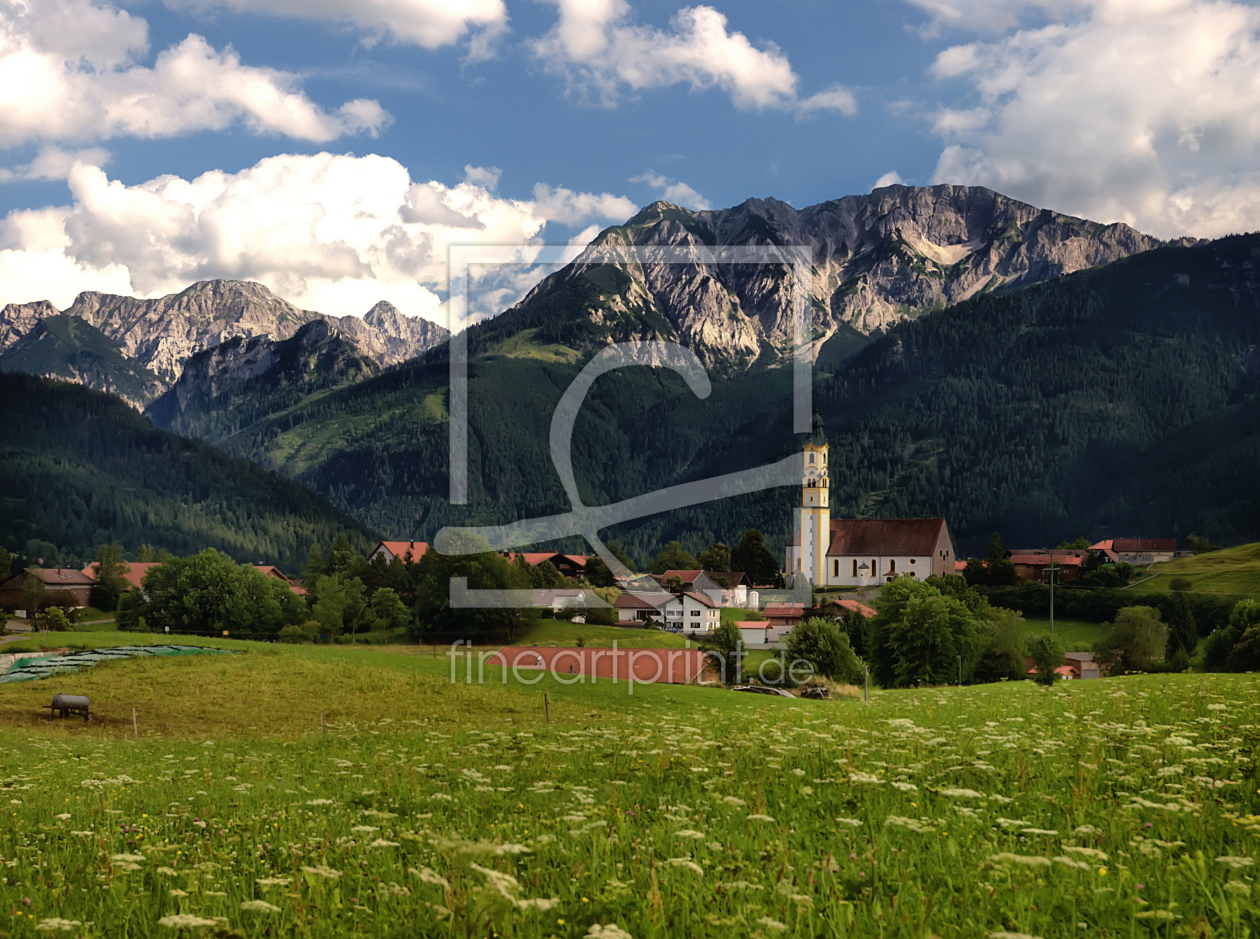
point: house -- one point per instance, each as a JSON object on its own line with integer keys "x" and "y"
{"x": 784, "y": 616}
{"x": 660, "y": 607}
{"x": 735, "y": 588}
{"x": 1082, "y": 663}
{"x": 134, "y": 573}
{"x": 1031, "y": 565}
{"x": 406, "y": 551}
{"x": 840, "y": 608}
{"x": 569, "y": 565}
{"x": 700, "y": 614}
{"x": 699, "y": 581}
{"x": 1107, "y": 550}
{"x": 63, "y": 586}
{"x": 1145, "y": 550}
{"x": 270, "y": 570}
{"x": 859, "y": 552}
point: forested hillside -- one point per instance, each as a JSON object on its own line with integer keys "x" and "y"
{"x": 80, "y": 468}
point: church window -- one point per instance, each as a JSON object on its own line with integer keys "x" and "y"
{"x": 855, "y": 567}
{"x": 892, "y": 566}
{"x": 811, "y": 458}
{"x": 912, "y": 561}
{"x": 836, "y": 569}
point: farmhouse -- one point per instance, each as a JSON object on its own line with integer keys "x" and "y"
{"x": 859, "y": 552}
{"x": 1144, "y": 550}
{"x": 134, "y": 573}
{"x": 699, "y": 613}
{"x": 63, "y": 586}
{"x": 569, "y": 565}
{"x": 404, "y": 550}
{"x": 662, "y": 607}
{"x": 784, "y": 616}
{"x": 1032, "y": 565}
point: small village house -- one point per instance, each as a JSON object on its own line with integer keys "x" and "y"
{"x": 658, "y": 607}
{"x": 1032, "y": 565}
{"x": 403, "y": 550}
{"x": 63, "y": 586}
{"x": 700, "y": 615}
{"x": 784, "y": 616}
{"x": 1144, "y": 550}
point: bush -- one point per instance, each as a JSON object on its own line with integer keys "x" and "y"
{"x": 55, "y": 619}
{"x": 770, "y": 673}
{"x": 821, "y": 643}
{"x": 292, "y": 634}
{"x": 1181, "y": 584}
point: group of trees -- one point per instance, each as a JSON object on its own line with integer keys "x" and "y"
{"x": 750, "y": 556}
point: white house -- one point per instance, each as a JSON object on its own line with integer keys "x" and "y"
{"x": 642, "y": 607}
{"x": 700, "y": 615}
{"x": 399, "y": 549}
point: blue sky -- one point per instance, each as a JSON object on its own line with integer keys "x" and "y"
{"x": 332, "y": 150}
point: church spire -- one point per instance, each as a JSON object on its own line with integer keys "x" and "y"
{"x": 818, "y": 436}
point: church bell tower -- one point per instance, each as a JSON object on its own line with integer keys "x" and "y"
{"x": 814, "y": 519}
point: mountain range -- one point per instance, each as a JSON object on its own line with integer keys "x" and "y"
{"x": 1004, "y": 366}
{"x": 138, "y": 348}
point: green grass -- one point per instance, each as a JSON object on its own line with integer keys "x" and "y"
{"x": 553, "y": 632}
{"x": 1230, "y": 570}
{"x": 733, "y": 616}
{"x": 1072, "y": 633}
{"x": 432, "y": 808}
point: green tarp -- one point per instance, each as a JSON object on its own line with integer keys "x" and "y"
{"x": 33, "y": 667}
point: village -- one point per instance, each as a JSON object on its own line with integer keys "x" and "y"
{"x": 833, "y": 570}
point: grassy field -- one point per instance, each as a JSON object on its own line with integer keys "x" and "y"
{"x": 1230, "y": 570}
{"x": 1122, "y": 807}
{"x": 1072, "y": 633}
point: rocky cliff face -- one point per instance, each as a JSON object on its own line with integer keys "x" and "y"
{"x": 878, "y": 258}
{"x": 18, "y": 319}
{"x": 161, "y": 335}
{"x": 225, "y": 387}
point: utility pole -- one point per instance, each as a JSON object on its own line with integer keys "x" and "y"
{"x": 1050, "y": 572}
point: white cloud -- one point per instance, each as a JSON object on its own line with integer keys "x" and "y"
{"x": 835, "y": 98}
{"x": 427, "y": 23}
{"x": 673, "y": 191}
{"x": 997, "y": 16}
{"x": 69, "y": 70}
{"x": 601, "y": 53}
{"x": 891, "y": 178}
{"x": 334, "y": 233}
{"x": 1144, "y": 111}
{"x": 54, "y": 163}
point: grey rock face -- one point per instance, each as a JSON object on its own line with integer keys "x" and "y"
{"x": 18, "y": 319}
{"x": 163, "y": 334}
{"x": 878, "y": 258}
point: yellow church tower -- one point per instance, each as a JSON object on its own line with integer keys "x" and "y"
{"x": 814, "y": 520}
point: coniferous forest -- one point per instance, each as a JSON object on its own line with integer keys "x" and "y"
{"x": 81, "y": 468}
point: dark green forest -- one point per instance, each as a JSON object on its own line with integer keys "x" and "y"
{"x": 80, "y": 469}
{"x": 1116, "y": 401}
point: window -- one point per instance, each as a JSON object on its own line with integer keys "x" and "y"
{"x": 811, "y": 458}
{"x": 695, "y": 612}
{"x": 855, "y": 567}
{"x": 892, "y": 566}
{"x": 835, "y": 572}
{"x": 912, "y": 562}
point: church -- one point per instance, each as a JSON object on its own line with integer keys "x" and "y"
{"x": 859, "y": 552}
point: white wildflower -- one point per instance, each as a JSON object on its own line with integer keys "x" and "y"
{"x": 57, "y": 925}
{"x": 322, "y": 871}
{"x": 382, "y": 843}
{"x": 611, "y": 931}
{"x": 1089, "y": 852}
{"x": 320, "y": 802}
{"x": 905, "y": 786}
{"x": 1031, "y": 861}
{"x": 772, "y": 924}
{"x": 1235, "y": 863}
{"x": 761, "y": 818}
{"x": 189, "y": 921}
{"x": 865, "y": 779}
{"x": 259, "y": 906}
{"x": 687, "y": 863}
{"x": 274, "y": 881}
{"x": 689, "y": 833}
{"x": 429, "y": 876}
{"x": 853, "y": 822}
{"x": 962, "y": 793}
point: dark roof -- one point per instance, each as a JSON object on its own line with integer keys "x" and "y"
{"x": 735, "y": 578}
{"x": 885, "y": 536}
{"x": 687, "y": 577}
{"x": 700, "y": 598}
{"x": 643, "y": 601}
{"x": 1144, "y": 544}
{"x": 55, "y": 577}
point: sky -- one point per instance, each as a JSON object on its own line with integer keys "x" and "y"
{"x": 334, "y": 150}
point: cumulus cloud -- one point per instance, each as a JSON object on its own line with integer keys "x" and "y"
{"x": 1142, "y": 111}
{"x": 70, "y": 70}
{"x": 673, "y": 191}
{"x": 601, "y": 53}
{"x": 334, "y": 233}
{"x": 427, "y": 23}
{"x": 891, "y": 178}
{"x": 53, "y": 163}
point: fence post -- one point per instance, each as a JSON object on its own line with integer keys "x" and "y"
{"x": 134, "y": 725}
{"x": 546, "y": 707}
{"x": 321, "y": 722}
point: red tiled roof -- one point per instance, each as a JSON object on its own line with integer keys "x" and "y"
{"x": 700, "y": 598}
{"x": 1144, "y": 544}
{"x": 399, "y": 549}
{"x": 271, "y": 570}
{"x": 960, "y": 566}
{"x": 134, "y": 574}
{"x": 881, "y": 537}
{"x": 753, "y": 624}
{"x": 854, "y": 606}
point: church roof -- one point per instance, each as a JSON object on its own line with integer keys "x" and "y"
{"x": 885, "y": 536}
